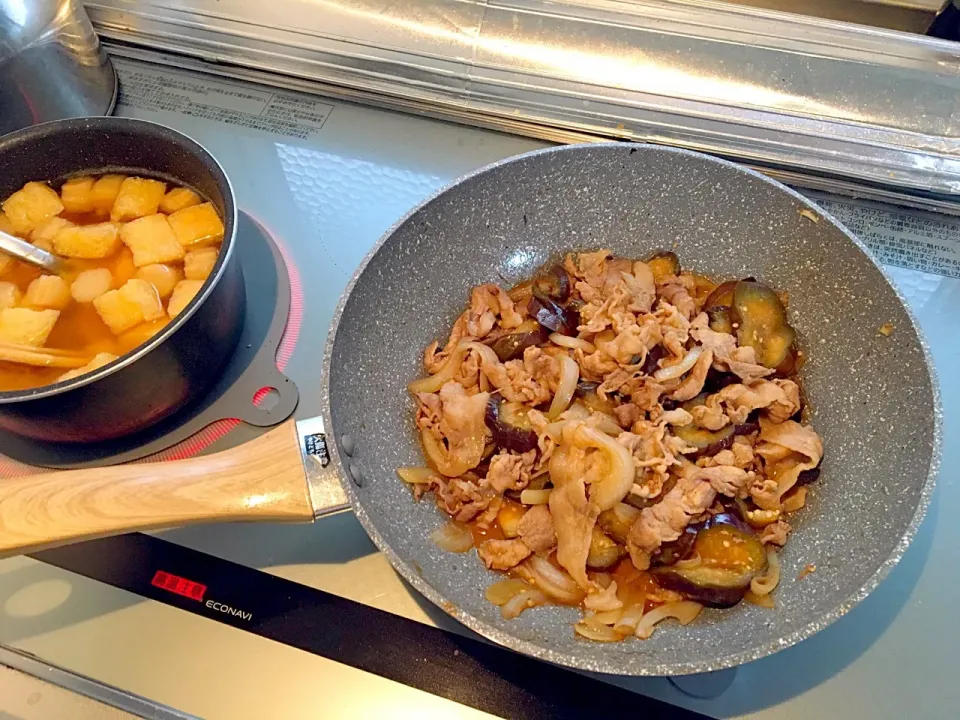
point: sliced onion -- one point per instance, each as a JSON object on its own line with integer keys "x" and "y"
{"x": 795, "y": 500}
{"x": 765, "y": 601}
{"x": 618, "y": 479}
{"x": 572, "y": 343}
{"x": 608, "y": 617}
{"x": 569, "y": 376}
{"x": 603, "y": 579}
{"x": 685, "y": 611}
{"x": 767, "y": 582}
{"x": 606, "y": 424}
{"x": 555, "y": 583}
{"x": 433, "y": 383}
{"x": 486, "y": 353}
{"x": 577, "y": 411}
{"x": 454, "y": 464}
{"x": 674, "y": 371}
{"x": 500, "y": 592}
{"x": 599, "y": 633}
{"x": 523, "y": 601}
{"x": 453, "y": 537}
{"x": 417, "y": 475}
{"x": 626, "y": 624}
{"x": 535, "y": 497}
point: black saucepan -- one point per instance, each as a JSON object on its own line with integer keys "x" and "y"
{"x": 180, "y": 363}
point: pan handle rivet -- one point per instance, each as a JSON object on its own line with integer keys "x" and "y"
{"x": 355, "y": 475}
{"x": 347, "y": 445}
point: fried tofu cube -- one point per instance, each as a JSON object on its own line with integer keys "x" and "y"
{"x": 162, "y": 277}
{"x": 198, "y": 263}
{"x": 105, "y": 191}
{"x": 44, "y": 233}
{"x": 76, "y": 194}
{"x": 146, "y": 297}
{"x": 152, "y": 241}
{"x": 31, "y": 205}
{"x": 23, "y": 326}
{"x": 99, "y": 360}
{"x": 137, "y": 301}
{"x": 87, "y": 241}
{"x": 6, "y": 263}
{"x": 197, "y": 226}
{"x": 138, "y": 197}
{"x": 6, "y": 224}
{"x": 183, "y": 293}
{"x": 91, "y": 284}
{"x": 178, "y": 199}
{"x": 10, "y": 295}
{"x": 119, "y": 313}
{"x": 48, "y": 291}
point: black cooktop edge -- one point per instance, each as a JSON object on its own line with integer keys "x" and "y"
{"x": 462, "y": 669}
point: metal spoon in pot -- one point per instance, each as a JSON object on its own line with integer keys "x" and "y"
{"x": 22, "y": 250}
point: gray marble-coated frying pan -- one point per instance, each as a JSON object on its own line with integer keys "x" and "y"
{"x": 874, "y": 398}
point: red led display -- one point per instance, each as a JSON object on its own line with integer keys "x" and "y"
{"x": 178, "y": 585}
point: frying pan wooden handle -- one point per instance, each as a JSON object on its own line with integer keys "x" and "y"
{"x": 261, "y": 480}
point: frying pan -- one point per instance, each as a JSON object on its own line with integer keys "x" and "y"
{"x": 874, "y": 398}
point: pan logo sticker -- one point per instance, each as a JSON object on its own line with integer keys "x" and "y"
{"x": 316, "y": 445}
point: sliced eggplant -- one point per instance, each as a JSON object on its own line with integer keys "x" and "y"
{"x": 617, "y": 521}
{"x": 528, "y": 334}
{"x": 510, "y": 425}
{"x": 721, "y": 318}
{"x": 808, "y": 476}
{"x": 762, "y": 323}
{"x": 725, "y": 558}
{"x": 679, "y": 549}
{"x": 722, "y": 295}
{"x": 554, "y": 284}
{"x": 604, "y": 551}
{"x": 707, "y": 442}
{"x": 663, "y": 265}
{"x": 652, "y": 363}
{"x": 552, "y": 316}
{"x": 587, "y": 391}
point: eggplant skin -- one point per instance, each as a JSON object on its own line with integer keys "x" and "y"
{"x": 551, "y": 316}
{"x": 512, "y": 347}
{"x": 714, "y": 582}
{"x": 508, "y": 433}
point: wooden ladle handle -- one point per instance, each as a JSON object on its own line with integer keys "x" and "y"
{"x": 261, "y": 480}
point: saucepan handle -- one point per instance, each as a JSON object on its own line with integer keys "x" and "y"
{"x": 261, "y": 480}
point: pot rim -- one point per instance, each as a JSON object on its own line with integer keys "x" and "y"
{"x": 230, "y": 226}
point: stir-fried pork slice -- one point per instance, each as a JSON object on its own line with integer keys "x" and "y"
{"x": 510, "y": 471}
{"x": 806, "y": 451}
{"x": 433, "y": 360}
{"x": 573, "y": 518}
{"x": 489, "y": 305}
{"x": 463, "y": 498}
{"x": 734, "y": 403}
{"x": 651, "y": 457}
{"x": 603, "y": 600}
{"x": 775, "y": 533}
{"x": 664, "y": 521}
{"x": 536, "y": 529}
{"x": 677, "y": 290}
{"x": 727, "y": 479}
{"x": 692, "y": 384}
{"x": 527, "y": 381}
{"x": 727, "y": 357}
{"x": 503, "y": 554}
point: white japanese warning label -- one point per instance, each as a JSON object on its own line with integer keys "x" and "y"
{"x": 898, "y": 236}
{"x": 235, "y": 103}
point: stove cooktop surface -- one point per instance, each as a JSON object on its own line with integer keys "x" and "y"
{"x": 226, "y": 621}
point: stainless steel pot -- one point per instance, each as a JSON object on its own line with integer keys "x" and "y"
{"x": 51, "y": 64}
